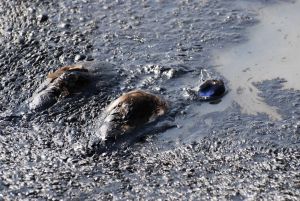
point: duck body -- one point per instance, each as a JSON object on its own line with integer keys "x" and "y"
{"x": 69, "y": 80}
{"x": 64, "y": 81}
{"x": 129, "y": 112}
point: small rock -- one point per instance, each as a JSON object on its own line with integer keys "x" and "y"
{"x": 297, "y": 128}
{"x": 89, "y": 58}
{"x": 79, "y": 57}
{"x": 65, "y": 25}
{"x": 21, "y": 41}
{"x": 42, "y": 17}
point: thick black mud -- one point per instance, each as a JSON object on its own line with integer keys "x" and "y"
{"x": 214, "y": 151}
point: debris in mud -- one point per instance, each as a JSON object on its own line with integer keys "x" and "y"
{"x": 128, "y": 112}
{"x": 168, "y": 72}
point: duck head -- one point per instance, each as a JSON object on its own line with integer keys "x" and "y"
{"x": 211, "y": 90}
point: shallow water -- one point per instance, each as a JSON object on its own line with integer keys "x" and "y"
{"x": 272, "y": 51}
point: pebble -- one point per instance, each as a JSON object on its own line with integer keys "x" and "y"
{"x": 79, "y": 57}
{"x": 42, "y": 17}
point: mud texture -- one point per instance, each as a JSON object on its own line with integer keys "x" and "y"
{"x": 158, "y": 46}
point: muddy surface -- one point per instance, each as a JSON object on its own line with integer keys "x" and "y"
{"x": 215, "y": 151}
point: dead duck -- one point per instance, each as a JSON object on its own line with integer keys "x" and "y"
{"x": 130, "y": 111}
{"x": 64, "y": 81}
{"x": 70, "y": 80}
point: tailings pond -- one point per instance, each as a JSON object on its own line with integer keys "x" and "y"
{"x": 245, "y": 147}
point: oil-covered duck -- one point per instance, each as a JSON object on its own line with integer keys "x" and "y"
{"x": 70, "y": 80}
{"x": 130, "y": 111}
{"x": 211, "y": 90}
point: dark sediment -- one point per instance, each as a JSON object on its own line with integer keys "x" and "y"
{"x": 158, "y": 46}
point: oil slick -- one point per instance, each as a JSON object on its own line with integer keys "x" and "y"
{"x": 272, "y": 51}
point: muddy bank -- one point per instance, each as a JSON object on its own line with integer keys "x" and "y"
{"x": 215, "y": 151}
